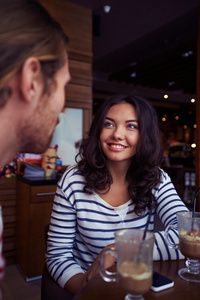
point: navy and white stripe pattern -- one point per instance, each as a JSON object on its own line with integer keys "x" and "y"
{"x": 82, "y": 225}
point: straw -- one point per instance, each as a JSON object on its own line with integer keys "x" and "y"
{"x": 149, "y": 217}
{"x": 193, "y": 213}
{"x": 195, "y": 198}
{"x": 146, "y": 226}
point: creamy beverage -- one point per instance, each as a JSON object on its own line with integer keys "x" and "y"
{"x": 134, "y": 253}
{"x": 134, "y": 278}
{"x": 188, "y": 227}
{"x": 190, "y": 243}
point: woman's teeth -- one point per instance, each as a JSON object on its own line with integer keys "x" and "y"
{"x": 117, "y": 146}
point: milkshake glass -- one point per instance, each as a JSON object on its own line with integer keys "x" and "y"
{"x": 134, "y": 262}
{"x": 188, "y": 227}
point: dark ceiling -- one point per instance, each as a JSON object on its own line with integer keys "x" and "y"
{"x": 149, "y": 47}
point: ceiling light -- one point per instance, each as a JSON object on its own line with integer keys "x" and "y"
{"x": 186, "y": 54}
{"x": 177, "y": 118}
{"x": 193, "y": 145}
{"x": 133, "y": 64}
{"x": 133, "y": 75}
{"x": 195, "y": 126}
{"x": 171, "y": 83}
{"x": 107, "y": 8}
{"x": 166, "y": 96}
{"x": 193, "y": 100}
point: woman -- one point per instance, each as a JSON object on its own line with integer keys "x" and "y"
{"x": 111, "y": 187}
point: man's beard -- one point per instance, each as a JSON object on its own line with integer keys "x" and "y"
{"x": 33, "y": 143}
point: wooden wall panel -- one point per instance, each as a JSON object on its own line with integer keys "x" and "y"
{"x": 81, "y": 72}
{"x": 8, "y": 202}
{"x": 87, "y": 119}
{"x": 79, "y": 96}
{"x": 77, "y": 23}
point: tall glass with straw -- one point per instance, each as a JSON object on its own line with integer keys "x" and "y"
{"x": 134, "y": 254}
{"x": 189, "y": 242}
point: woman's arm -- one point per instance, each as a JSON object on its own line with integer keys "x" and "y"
{"x": 71, "y": 249}
{"x": 78, "y": 281}
{"x": 75, "y": 283}
{"x": 61, "y": 236}
{"x": 168, "y": 205}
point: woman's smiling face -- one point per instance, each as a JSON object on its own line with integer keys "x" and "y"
{"x": 120, "y": 134}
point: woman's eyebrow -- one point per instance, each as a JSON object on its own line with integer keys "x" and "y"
{"x": 127, "y": 121}
{"x": 109, "y": 118}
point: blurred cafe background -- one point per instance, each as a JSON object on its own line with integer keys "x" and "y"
{"x": 149, "y": 48}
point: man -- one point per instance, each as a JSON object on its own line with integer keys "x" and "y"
{"x": 33, "y": 74}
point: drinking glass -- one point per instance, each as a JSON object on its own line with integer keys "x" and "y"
{"x": 134, "y": 262}
{"x": 188, "y": 227}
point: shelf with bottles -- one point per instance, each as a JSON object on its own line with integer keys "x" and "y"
{"x": 189, "y": 187}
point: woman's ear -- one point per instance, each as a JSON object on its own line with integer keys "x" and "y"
{"x": 31, "y": 79}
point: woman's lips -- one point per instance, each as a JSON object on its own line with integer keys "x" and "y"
{"x": 116, "y": 146}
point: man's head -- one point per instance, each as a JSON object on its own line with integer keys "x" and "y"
{"x": 33, "y": 69}
{"x": 28, "y": 30}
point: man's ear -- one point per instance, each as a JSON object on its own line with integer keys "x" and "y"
{"x": 31, "y": 79}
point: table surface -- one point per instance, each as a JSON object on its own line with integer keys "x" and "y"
{"x": 98, "y": 289}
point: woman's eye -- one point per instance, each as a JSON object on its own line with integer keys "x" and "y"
{"x": 108, "y": 124}
{"x": 132, "y": 126}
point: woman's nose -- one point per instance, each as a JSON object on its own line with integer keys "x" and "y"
{"x": 119, "y": 133}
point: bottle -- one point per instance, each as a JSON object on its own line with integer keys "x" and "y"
{"x": 186, "y": 196}
{"x": 58, "y": 165}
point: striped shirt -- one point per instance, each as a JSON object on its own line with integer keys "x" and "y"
{"x": 82, "y": 225}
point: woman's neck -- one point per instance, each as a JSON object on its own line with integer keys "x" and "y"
{"x": 118, "y": 170}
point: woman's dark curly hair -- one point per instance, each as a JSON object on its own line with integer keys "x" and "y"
{"x": 144, "y": 172}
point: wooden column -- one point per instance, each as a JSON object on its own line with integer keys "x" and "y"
{"x": 76, "y": 21}
{"x": 198, "y": 119}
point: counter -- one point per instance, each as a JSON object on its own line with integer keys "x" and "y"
{"x": 35, "y": 180}
{"x": 34, "y": 204}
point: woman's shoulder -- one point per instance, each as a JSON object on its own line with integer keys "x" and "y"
{"x": 165, "y": 180}
{"x": 72, "y": 174}
{"x": 164, "y": 176}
